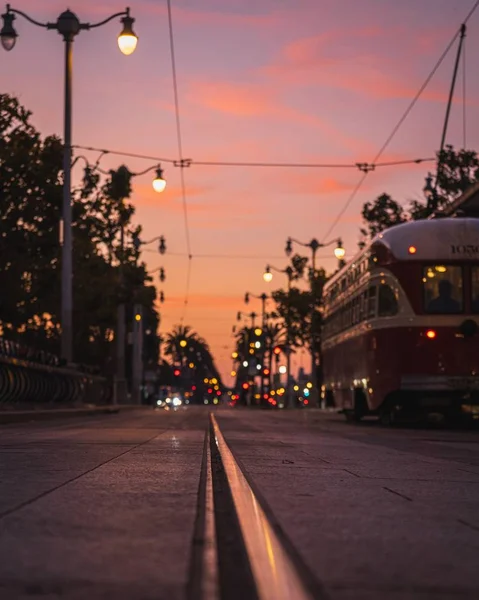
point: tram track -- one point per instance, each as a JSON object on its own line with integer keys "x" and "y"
{"x": 239, "y": 550}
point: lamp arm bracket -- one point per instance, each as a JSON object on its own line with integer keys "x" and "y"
{"x": 298, "y": 242}
{"x": 124, "y": 13}
{"x": 329, "y": 243}
{"x": 145, "y": 171}
{"x": 28, "y": 18}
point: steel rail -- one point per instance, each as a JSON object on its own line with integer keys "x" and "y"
{"x": 274, "y": 573}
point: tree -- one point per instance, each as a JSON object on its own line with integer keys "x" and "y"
{"x": 190, "y": 354}
{"x": 384, "y": 212}
{"x": 30, "y": 252}
{"x": 456, "y": 172}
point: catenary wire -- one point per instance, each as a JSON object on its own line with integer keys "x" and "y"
{"x": 180, "y": 152}
{"x": 400, "y": 122}
{"x": 185, "y": 163}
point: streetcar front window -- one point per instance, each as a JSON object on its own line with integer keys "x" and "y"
{"x": 387, "y": 301}
{"x": 443, "y": 291}
{"x": 475, "y": 290}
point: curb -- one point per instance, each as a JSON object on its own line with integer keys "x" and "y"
{"x": 28, "y": 416}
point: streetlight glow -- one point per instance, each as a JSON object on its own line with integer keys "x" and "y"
{"x": 339, "y": 251}
{"x": 127, "y": 40}
{"x": 159, "y": 183}
{"x": 267, "y": 275}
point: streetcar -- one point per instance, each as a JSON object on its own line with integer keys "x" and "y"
{"x": 400, "y": 333}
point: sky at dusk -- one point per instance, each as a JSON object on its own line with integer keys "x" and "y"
{"x": 309, "y": 81}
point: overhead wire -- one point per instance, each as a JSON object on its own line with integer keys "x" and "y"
{"x": 180, "y": 153}
{"x": 400, "y": 122}
{"x": 187, "y": 162}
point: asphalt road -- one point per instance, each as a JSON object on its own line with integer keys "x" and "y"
{"x": 107, "y": 506}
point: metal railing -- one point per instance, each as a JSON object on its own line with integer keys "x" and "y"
{"x": 30, "y": 376}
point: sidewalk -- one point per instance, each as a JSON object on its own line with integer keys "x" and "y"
{"x": 24, "y": 416}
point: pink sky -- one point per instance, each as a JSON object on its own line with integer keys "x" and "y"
{"x": 259, "y": 80}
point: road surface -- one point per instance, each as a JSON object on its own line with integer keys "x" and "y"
{"x": 250, "y": 504}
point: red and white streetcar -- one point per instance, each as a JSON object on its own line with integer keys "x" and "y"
{"x": 400, "y": 332}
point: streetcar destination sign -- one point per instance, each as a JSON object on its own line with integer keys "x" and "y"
{"x": 465, "y": 249}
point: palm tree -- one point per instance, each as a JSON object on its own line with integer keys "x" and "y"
{"x": 191, "y": 352}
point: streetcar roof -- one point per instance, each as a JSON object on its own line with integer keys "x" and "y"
{"x": 430, "y": 239}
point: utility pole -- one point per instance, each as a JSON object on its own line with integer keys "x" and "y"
{"x": 137, "y": 371}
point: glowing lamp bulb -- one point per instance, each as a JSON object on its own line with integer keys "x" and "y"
{"x": 159, "y": 183}
{"x": 412, "y": 249}
{"x": 127, "y": 40}
{"x": 268, "y": 276}
{"x": 339, "y": 251}
{"x": 431, "y": 334}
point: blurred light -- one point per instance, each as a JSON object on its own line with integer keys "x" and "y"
{"x": 215, "y": 401}
{"x": 306, "y": 392}
{"x": 339, "y": 251}
{"x": 282, "y": 369}
{"x": 214, "y": 380}
{"x": 176, "y": 402}
{"x": 258, "y": 331}
{"x": 234, "y": 355}
{"x": 257, "y": 344}
{"x": 309, "y": 385}
{"x": 176, "y": 372}
{"x": 306, "y": 402}
{"x": 205, "y": 380}
{"x": 245, "y": 363}
{"x": 267, "y": 275}
{"x": 193, "y": 387}
{"x": 431, "y": 334}
{"x": 137, "y": 317}
{"x": 210, "y": 390}
{"x": 183, "y": 343}
{"x": 412, "y": 249}
{"x": 277, "y": 350}
{"x": 192, "y": 365}
{"x": 296, "y": 388}
{"x": 245, "y": 386}
{"x": 233, "y": 373}
{"x": 266, "y": 372}
{"x": 441, "y": 269}
{"x": 258, "y": 367}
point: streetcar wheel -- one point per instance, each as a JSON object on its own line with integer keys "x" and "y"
{"x": 389, "y": 416}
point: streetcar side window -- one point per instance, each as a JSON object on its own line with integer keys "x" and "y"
{"x": 475, "y": 290}
{"x": 372, "y": 302}
{"x": 387, "y": 301}
{"x": 442, "y": 287}
{"x": 362, "y": 306}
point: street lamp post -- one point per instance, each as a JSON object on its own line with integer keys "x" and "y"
{"x": 268, "y": 277}
{"x": 263, "y": 297}
{"x": 316, "y": 357}
{"x": 68, "y": 26}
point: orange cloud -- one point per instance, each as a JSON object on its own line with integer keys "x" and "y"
{"x": 259, "y": 100}
{"x": 316, "y": 60}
